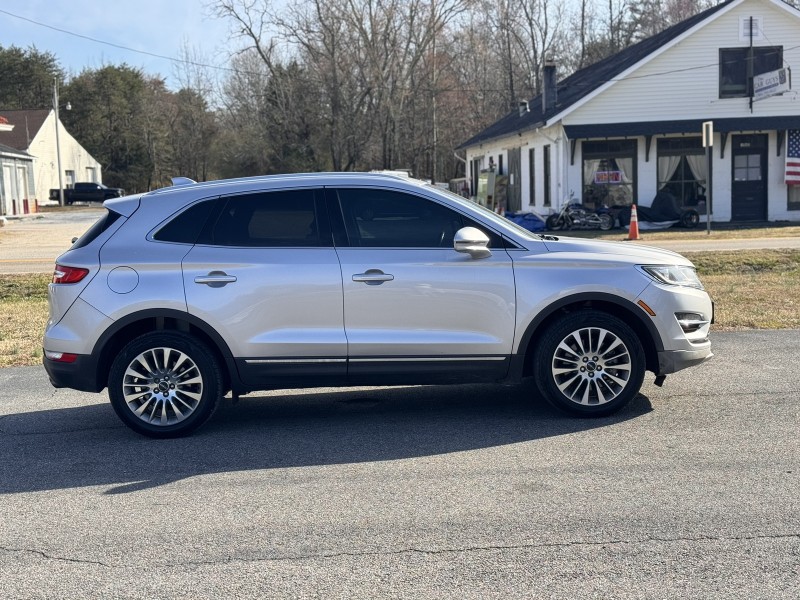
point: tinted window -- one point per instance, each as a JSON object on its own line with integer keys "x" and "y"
{"x": 186, "y": 227}
{"x": 267, "y": 219}
{"x": 386, "y": 219}
{"x": 101, "y": 225}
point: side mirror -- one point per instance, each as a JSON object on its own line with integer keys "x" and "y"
{"x": 472, "y": 241}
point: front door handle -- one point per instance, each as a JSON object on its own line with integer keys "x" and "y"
{"x": 373, "y": 277}
{"x": 215, "y": 279}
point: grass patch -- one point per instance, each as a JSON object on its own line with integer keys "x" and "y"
{"x": 752, "y": 289}
{"x": 24, "y": 287}
{"x": 23, "y": 306}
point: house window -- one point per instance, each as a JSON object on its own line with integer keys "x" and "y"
{"x": 793, "y": 202}
{"x": 475, "y": 169}
{"x": 609, "y": 172}
{"x": 738, "y": 65}
{"x": 500, "y": 164}
{"x": 682, "y": 170}
{"x": 546, "y": 174}
{"x": 69, "y": 178}
{"x": 532, "y": 176}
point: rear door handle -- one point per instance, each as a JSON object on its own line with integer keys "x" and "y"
{"x": 373, "y": 277}
{"x": 215, "y": 279}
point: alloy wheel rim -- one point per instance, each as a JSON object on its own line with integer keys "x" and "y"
{"x": 591, "y": 366}
{"x": 162, "y": 386}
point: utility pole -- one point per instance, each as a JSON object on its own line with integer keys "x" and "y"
{"x": 58, "y": 145}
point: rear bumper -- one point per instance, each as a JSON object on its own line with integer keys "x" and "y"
{"x": 670, "y": 361}
{"x": 79, "y": 375}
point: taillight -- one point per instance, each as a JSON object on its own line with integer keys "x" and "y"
{"x": 64, "y": 274}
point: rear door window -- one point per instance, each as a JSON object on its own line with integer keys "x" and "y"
{"x": 279, "y": 219}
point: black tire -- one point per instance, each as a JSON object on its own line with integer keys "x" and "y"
{"x": 176, "y": 387}
{"x": 553, "y": 223}
{"x": 597, "y": 386}
{"x": 606, "y": 221}
{"x": 690, "y": 218}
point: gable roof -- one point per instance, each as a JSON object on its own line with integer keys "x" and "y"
{"x": 8, "y": 151}
{"x": 583, "y": 82}
{"x": 27, "y": 124}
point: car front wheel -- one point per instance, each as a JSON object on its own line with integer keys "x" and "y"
{"x": 589, "y": 363}
{"x": 165, "y": 384}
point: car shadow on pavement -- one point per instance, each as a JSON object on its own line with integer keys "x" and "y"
{"x": 88, "y": 446}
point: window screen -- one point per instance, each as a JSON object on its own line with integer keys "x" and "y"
{"x": 267, "y": 219}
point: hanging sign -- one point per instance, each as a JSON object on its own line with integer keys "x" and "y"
{"x": 771, "y": 84}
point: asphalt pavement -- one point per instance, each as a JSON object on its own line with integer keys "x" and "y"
{"x": 415, "y": 492}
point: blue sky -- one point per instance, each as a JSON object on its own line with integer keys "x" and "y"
{"x": 157, "y": 26}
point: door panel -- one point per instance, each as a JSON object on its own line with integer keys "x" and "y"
{"x": 749, "y": 178}
{"x": 416, "y": 310}
{"x": 279, "y": 309}
{"x": 269, "y": 302}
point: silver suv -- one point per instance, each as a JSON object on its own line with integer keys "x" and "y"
{"x": 178, "y": 296}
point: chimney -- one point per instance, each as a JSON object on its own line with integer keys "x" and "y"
{"x": 549, "y": 96}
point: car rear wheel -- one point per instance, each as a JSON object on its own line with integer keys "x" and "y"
{"x": 589, "y": 363}
{"x": 165, "y": 384}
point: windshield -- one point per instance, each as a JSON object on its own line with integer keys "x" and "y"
{"x": 490, "y": 215}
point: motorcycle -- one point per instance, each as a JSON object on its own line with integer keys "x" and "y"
{"x": 576, "y": 216}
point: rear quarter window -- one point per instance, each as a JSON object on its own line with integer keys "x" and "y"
{"x": 185, "y": 228}
{"x": 101, "y": 225}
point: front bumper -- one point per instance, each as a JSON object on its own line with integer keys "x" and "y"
{"x": 670, "y": 361}
{"x": 79, "y": 375}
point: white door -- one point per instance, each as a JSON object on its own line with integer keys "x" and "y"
{"x": 9, "y": 185}
{"x": 22, "y": 190}
{"x": 6, "y": 194}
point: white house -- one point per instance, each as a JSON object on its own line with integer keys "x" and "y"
{"x": 33, "y": 133}
{"x": 627, "y": 127}
{"x": 16, "y": 176}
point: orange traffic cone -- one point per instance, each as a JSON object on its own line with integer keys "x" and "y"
{"x": 633, "y": 231}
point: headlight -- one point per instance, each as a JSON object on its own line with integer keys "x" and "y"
{"x": 673, "y": 275}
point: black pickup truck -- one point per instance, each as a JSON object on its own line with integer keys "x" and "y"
{"x": 87, "y": 192}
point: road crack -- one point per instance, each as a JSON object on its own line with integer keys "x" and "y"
{"x": 423, "y": 551}
{"x": 47, "y": 556}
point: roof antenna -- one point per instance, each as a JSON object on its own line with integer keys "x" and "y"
{"x": 176, "y": 181}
